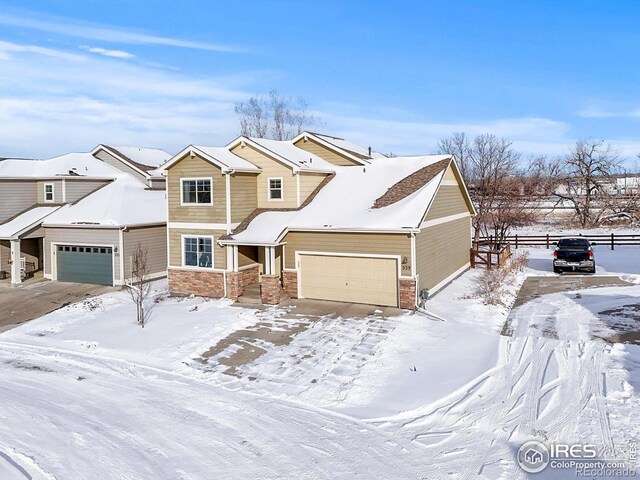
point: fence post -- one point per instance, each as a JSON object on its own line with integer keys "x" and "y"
{"x": 472, "y": 258}
{"x": 547, "y": 241}
{"x": 489, "y": 255}
{"x": 516, "y": 241}
{"x": 612, "y": 241}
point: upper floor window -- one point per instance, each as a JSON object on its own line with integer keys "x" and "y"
{"x": 48, "y": 192}
{"x": 196, "y": 191}
{"x": 197, "y": 252}
{"x": 275, "y": 189}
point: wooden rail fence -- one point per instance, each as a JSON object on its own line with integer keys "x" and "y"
{"x": 487, "y": 253}
{"x": 547, "y": 240}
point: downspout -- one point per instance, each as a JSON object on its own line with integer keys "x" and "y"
{"x": 121, "y": 253}
{"x": 413, "y": 268}
{"x": 228, "y": 198}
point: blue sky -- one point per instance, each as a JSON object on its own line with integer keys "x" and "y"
{"x": 394, "y": 75}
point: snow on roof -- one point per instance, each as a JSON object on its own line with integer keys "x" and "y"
{"x": 25, "y": 221}
{"x": 149, "y": 157}
{"x": 301, "y": 158}
{"x": 224, "y": 156}
{"x": 350, "y": 147}
{"x": 124, "y": 202}
{"x": 346, "y": 202}
{"x": 71, "y": 164}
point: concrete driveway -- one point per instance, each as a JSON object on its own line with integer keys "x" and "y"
{"x": 32, "y": 300}
{"x": 533, "y": 287}
{"x": 281, "y": 324}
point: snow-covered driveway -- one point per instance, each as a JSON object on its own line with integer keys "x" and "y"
{"x": 77, "y": 416}
{"x": 555, "y": 386}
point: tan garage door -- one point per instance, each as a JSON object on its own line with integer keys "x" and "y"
{"x": 349, "y": 279}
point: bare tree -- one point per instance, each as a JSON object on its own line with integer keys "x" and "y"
{"x": 491, "y": 171}
{"x": 458, "y": 145}
{"x": 586, "y": 177}
{"x": 139, "y": 284}
{"x": 278, "y": 117}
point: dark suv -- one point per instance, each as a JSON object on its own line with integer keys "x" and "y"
{"x": 574, "y": 253}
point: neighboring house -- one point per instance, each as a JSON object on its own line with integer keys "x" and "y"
{"x": 317, "y": 216}
{"x": 77, "y": 217}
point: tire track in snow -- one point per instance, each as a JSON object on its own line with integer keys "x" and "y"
{"x": 518, "y": 399}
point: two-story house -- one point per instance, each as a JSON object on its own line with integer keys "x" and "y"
{"x": 316, "y": 217}
{"x": 78, "y": 217}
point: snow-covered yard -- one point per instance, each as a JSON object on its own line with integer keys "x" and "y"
{"x": 87, "y": 393}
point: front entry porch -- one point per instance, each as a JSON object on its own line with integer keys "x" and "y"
{"x": 255, "y": 268}
{"x": 20, "y": 259}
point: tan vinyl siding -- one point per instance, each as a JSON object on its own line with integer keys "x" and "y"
{"x": 308, "y": 183}
{"x": 116, "y": 163}
{"x": 450, "y": 175}
{"x": 17, "y": 196}
{"x": 57, "y": 190}
{"x": 154, "y": 240}
{"x": 448, "y": 201}
{"x": 441, "y": 250}
{"x": 358, "y": 243}
{"x": 196, "y": 167}
{"x": 175, "y": 246}
{"x": 81, "y": 236}
{"x": 324, "y": 153}
{"x": 244, "y": 195}
{"x": 5, "y": 255}
{"x": 270, "y": 169}
{"x": 77, "y": 189}
{"x": 247, "y": 255}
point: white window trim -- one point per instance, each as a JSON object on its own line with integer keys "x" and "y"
{"x": 184, "y": 254}
{"x": 281, "y": 199}
{"x": 182, "y": 202}
{"x": 53, "y": 192}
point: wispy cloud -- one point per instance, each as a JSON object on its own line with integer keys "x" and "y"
{"x": 596, "y": 112}
{"x": 6, "y": 48}
{"x": 89, "y": 31}
{"x": 70, "y": 102}
{"x": 108, "y": 53}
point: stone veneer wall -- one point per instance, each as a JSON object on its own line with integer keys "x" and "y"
{"x": 270, "y": 290}
{"x": 187, "y": 282}
{"x": 290, "y": 283}
{"x": 408, "y": 293}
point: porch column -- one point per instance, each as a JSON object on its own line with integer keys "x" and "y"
{"x": 16, "y": 278}
{"x": 269, "y": 260}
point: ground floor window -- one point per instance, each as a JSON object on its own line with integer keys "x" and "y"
{"x": 198, "y": 252}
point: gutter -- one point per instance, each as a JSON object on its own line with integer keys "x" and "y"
{"x": 102, "y": 226}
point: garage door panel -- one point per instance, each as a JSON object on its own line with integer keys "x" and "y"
{"x": 84, "y": 264}
{"x": 350, "y": 279}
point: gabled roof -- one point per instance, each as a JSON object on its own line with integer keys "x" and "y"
{"x": 24, "y": 222}
{"x": 68, "y": 165}
{"x": 341, "y": 146}
{"x": 348, "y": 202}
{"x": 285, "y": 152}
{"x": 218, "y": 156}
{"x": 144, "y": 160}
{"x": 124, "y": 202}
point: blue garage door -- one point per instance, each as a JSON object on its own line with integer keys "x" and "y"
{"x": 85, "y": 264}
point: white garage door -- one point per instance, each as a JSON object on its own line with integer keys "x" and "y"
{"x": 349, "y": 279}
